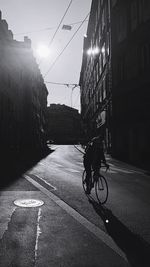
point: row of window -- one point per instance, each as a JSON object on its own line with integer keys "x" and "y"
{"x": 133, "y": 63}
{"x": 93, "y": 100}
{"x": 139, "y": 12}
{"x": 96, "y": 62}
{"x": 93, "y": 78}
{"x": 94, "y": 91}
{"x": 101, "y": 17}
{"x": 100, "y": 28}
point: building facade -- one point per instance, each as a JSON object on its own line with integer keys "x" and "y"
{"x": 95, "y": 76}
{"x": 63, "y": 124}
{"x": 23, "y": 95}
{"x": 131, "y": 80}
{"x": 117, "y": 73}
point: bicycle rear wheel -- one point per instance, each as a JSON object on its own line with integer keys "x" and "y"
{"x": 101, "y": 189}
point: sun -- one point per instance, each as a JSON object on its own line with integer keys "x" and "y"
{"x": 42, "y": 51}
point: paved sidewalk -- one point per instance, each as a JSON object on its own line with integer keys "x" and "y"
{"x": 119, "y": 162}
{"x": 50, "y": 235}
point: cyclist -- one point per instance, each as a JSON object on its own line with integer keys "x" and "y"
{"x": 93, "y": 157}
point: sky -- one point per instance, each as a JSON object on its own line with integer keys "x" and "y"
{"x": 39, "y": 19}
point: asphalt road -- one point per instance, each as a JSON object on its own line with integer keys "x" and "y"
{"x": 128, "y": 202}
{"x": 68, "y": 230}
{"x": 129, "y": 188}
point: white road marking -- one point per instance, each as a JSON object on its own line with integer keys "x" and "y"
{"x": 71, "y": 170}
{"x": 105, "y": 238}
{"x": 54, "y": 188}
{"x": 38, "y": 232}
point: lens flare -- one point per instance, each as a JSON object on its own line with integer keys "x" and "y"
{"x": 42, "y": 51}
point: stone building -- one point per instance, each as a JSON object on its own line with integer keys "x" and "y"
{"x": 131, "y": 81}
{"x": 115, "y": 78}
{"x": 95, "y": 76}
{"x": 63, "y": 124}
{"x": 23, "y": 96}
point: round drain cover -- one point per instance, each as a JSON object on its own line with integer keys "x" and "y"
{"x": 28, "y": 203}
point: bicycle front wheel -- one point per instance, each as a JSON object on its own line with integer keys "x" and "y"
{"x": 101, "y": 189}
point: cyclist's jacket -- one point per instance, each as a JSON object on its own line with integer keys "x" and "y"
{"x": 94, "y": 152}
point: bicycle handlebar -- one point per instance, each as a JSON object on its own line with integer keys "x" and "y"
{"x": 106, "y": 166}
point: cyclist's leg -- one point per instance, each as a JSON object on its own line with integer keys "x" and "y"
{"x": 87, "y": 166}
{"x": 96, "y": 169}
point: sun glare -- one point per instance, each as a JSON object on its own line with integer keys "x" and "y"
{"x": 42, "y": 51}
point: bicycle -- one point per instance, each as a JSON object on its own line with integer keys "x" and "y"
{"x": 100, "y": 184}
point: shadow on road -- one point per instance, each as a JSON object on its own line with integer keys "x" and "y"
{"x": 17, "y": 245}
{"x": 136, "y": 249}
{"x": 13, "y": 166}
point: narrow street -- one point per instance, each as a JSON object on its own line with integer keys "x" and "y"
{"x": 129, "y": 188}
{"x": 68, "y": 229}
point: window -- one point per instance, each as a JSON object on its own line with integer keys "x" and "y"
{"x": 144, "y": 10}
{"x": 99, "y": 32}
{"x": 99, "y": 6}
{"x": 94, "y": 78}
{"x": 103, "y": 19}
{"x": 97, "y": 72}
{"x": 100, "y": 64}
{"x": 145, "y": 56}
{"x": 121, "y": 26}
{"x": 104, "y": 88}
{"x": 114, "y": 2}
{"x": 96, "y": 19}
{"x": 103, "y": 50}
{"x": 100, "y": 94}
{"x": 141, "y": 6}
{"x": 122, "y": 69}
{"x": 134, "y": 15}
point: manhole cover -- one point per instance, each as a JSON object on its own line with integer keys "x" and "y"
{"x": 28, "y": 203}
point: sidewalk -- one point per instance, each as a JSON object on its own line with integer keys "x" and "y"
{"x": 127, "y": 165}
{"x": 117, "y": 161}
{"x": 50, "y": 235}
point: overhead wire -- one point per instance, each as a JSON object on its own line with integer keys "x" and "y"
{"x": 66, "y": 46}
{"x": 60, "y": 23}
{"x": 66, "y": 84}
{"x": 46, "y": 29}
{"x": 58, "y": 27}
{"x": 34, "y": 31}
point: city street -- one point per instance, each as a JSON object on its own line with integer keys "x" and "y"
{"x": 68, "y": 229}
{"x": 73, "y": 72}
